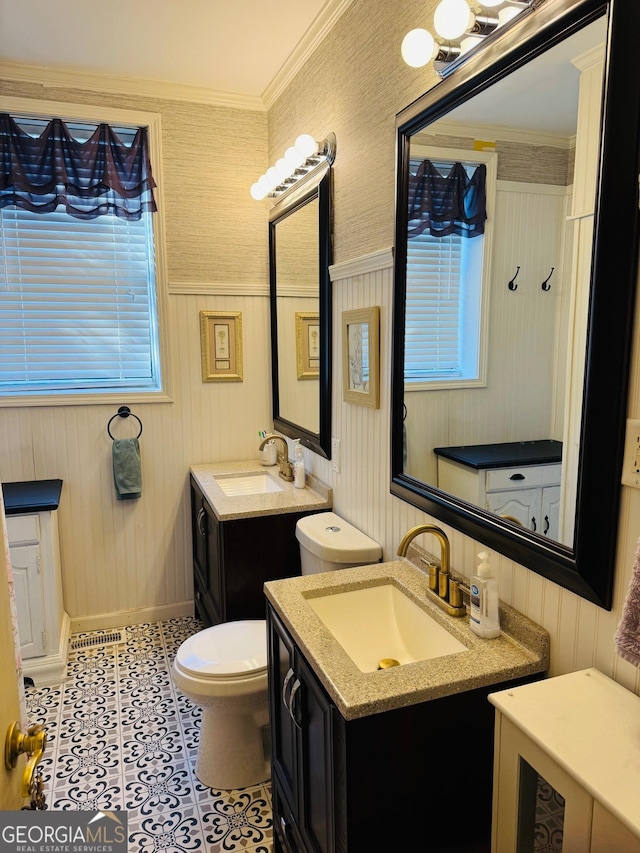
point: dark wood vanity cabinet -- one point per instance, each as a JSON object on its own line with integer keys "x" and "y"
{"x": 413, "y": 778}
{"x": 233, "y": 558}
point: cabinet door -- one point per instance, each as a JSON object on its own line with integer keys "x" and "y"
{"x": 523, "y": 504}
{"x": 283, "y": 729}
{"x": 551, "y": 512}
{"x": 608, "y": 833}
{"x": 25, "y": 563}
{"x": 518, "y": 824}
{"x": 312, "y": 707}
{"x": 206, "y": 560}
{"x": 301, "y": 717}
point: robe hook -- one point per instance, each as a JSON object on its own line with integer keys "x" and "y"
{"x": 512, "y": 284}
{"x": 545, "y": 284}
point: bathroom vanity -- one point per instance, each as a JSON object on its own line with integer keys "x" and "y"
{"x": 397, "y": 758}
{"x": 31, "y": 508}
{"x": 242, "y": 540}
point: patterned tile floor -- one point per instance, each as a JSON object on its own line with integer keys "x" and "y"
{"x": 121, "y": 736}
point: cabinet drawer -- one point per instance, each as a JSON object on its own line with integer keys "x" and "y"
{"x": 23, "y": 528}
{"x": 524, "y": 477}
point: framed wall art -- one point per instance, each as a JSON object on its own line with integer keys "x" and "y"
{"x": 308, "y": 344}
{"x": 361, "y": 356}
{"x": 221, "y": 346}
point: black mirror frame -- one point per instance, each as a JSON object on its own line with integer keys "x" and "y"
{"x": 587, "y": 569}
{"x": 319, "y": 442}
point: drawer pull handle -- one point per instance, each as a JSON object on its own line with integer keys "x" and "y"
{"x": 547, "y": 524}
{"x": 534, "y": 526}
{"x": 517, "y": 477}
{"x": 292, "y": 697}
{"x": 201, "y": 529}
{"x": 285, "y": 684}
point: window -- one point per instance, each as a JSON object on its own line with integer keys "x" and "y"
{"x": 445, "y": 299}
{"x": 78, "y": 297}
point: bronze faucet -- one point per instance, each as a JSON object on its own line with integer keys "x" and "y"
{"x": 442, "y": 588}
{"x": 286, "y": 468}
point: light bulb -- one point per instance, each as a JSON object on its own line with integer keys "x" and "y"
{"x": 257, "y": 192}
{"x": 293, "y": 158}
{"x": 263, "y": 183}
{"x": 452, "y": 19}
{"x": 507, "y": 14}
{"x": 273, "y": 177}
{"x": 418, "y": 47}
{"x": 306, "y": 145}
{"x": 282, "y": 168}
{"x": 469, "y": 43}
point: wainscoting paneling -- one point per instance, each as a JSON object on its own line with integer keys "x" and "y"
{"x": 581, "y": 633}
{"x": 136, "y": 555}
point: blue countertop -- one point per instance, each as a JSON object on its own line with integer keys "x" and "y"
{"x": 31, "y": 496}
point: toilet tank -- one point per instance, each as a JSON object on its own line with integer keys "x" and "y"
{"x": 328, "y": 542}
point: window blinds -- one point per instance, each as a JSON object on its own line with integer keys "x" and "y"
{"x": 77, "y": 303}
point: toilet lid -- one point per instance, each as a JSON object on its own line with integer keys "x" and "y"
{"x": 232, "y": 648}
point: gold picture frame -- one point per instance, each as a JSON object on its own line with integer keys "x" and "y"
{"x": 221, "y": 346}
{"x": 361, "y": 357}
{"x": 308, "y": 344}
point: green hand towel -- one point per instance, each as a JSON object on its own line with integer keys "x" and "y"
{"x": 127, "y": 471}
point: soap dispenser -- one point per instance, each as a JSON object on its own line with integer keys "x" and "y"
{"x": 484, "y": 610}
{"x": 298, "y": 465}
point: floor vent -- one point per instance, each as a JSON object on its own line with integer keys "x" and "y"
{"x": 98, "y": 640}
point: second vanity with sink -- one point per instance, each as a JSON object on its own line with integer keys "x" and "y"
{"x": 243, "y": 519}
{"x": 392, "y": 758}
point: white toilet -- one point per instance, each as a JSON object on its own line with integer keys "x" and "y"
{"x": 328, "y": 542}
{"x": 223, "y": 669}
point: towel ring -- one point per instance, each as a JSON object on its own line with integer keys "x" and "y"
{"x": 123, "y": 412}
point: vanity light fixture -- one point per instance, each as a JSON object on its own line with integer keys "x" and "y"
{"x": 298, "y": 161}
{"x": 460, "y": 25}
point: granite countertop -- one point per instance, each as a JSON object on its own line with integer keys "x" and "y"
{"x": 31, "y": 496}
{"x": 521, "y": 650}
{"x": 315, "y": 497}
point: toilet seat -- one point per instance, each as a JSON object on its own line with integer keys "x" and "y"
{"x": 226, "y": 651}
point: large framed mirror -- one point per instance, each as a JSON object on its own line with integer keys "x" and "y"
{"x": 300, "y": 304}
{"x": 512, "y": 344}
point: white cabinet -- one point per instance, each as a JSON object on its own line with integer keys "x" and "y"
{"x": 529, "y": 494}
{"x": 577, "y": 738}
{"x": 43, "y": 624}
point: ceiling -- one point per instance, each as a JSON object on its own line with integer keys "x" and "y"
{"x": 238, "y": 47}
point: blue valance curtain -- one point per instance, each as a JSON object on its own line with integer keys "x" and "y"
{"x": 447, "y": 204}
{"x": 97, "y": 176}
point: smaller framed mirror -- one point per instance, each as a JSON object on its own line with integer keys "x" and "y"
{"x": 300, "y": 294}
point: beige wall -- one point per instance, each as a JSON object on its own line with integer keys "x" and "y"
{"x": 115, "y": 557}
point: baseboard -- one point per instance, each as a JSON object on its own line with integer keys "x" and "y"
{"x": 51, "y": 669}
{"x": 122, "y": 618}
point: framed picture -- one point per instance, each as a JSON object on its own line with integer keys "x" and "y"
{"x": 361, "y": 356}
{"x": 308, "y": 344}
{"x": 221, "y": 346}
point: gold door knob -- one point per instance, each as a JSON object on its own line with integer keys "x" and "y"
{"x": 32, "y": 744}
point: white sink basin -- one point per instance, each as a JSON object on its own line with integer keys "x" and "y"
{"x": 380, "y": 622}
{"x": 248, "y": 484}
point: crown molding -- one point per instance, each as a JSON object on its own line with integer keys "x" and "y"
{"x": 324, "y": 22}
{"x": 66, "y": 78}
{"x": 496, "y": 132}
